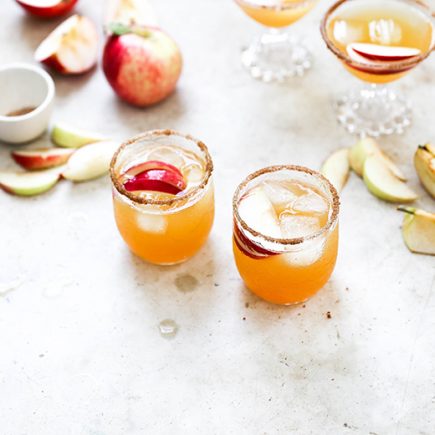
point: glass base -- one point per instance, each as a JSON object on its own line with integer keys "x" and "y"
{"x": 373, "y": 111}
{"x": 276, "y": 56}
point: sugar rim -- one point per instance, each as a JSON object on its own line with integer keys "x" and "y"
{"x": 396, "y": 66}
{"x": 335, "y": 205}
{"x": 171, "y": 201}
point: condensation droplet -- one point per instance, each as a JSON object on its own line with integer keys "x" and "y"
{"x": 168, "y": 328}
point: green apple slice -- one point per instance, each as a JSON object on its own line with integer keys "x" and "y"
{"x": 91, "y": 161}
{"x": 336, "y": 168}
{"x": 366, "y": 147}
{"x": 382, "y": 183}
{"x": 424, "y": 162}
{"x": 418, "y": 230}
{"x": 29, "y": 183}
{"x": 66, "y": 136}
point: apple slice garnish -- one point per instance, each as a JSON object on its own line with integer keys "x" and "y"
{"x": 382, "y": 183}
{"x": 43, "y": 158}
{"x": 91, "y": 161}
{"x": 418, "y": 230}
{"x": 29, "y": 183}
{"x": 155, "y": 176}
{"x": 248, "y": 247}
{"x": 336, "y": 168}
{"x": 384, "y": 53}
{"x": 72, "y": 48}
{"x": 67, "y": 136}
{"x": 47, "y": 8}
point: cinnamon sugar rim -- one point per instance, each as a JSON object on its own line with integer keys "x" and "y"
{"x": 394, "y": 66}
{"x": 171, "y": 201}
{"x": 335, "y": 204}
{"x": 284, "y": 7}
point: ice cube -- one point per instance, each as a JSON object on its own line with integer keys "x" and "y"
{"x": 294, "y": 226}
{"x": 193, "y": 173}
{"x": 167, "y": 155}
{"x": 310, "y": 203}
{"x": 258, "y": 212}
{"x": 151, "y": 223}
{"x": 385, "y": 32}
{"x": 280, "y": 193}
{"x": 306, "y": 256}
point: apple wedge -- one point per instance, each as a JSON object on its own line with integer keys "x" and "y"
{"x": 91, "y": 161}
{"x": 336, "y": 168}
{"x": 424, "y": 162}
{"x": 47, "y": 8}
{"x": 43, "y": 158}
{"x": 418, "y": 230}
{"x": 66, "y": 136}
{"x": 384, "y": 53}
{"x": 29, "y": 183}
{"x": 72, "y": 48}
{"x": 366, "y": 147}
{"x": 382, "y": 183}
{"x": 130, "y": 12}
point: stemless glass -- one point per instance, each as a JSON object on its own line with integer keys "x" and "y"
{"x": 276, "y": 55}
{"x": 163, "y": 229}
{"x": 286, "y": 270}
{"x": 378, "y": 41}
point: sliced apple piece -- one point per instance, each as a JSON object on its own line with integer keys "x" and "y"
{"x": 157, "y": 180}
{"x": 130, "y": 12}
{"x": 382, "y": 183}
{"x": 151, "y": 164}
{"x": 384, "y": 53}
{"x": 72, "y": 48}
{"x": 424, "y": 162}
{"x": 43, "y": 158}
{"x": 336, "y": 168}
{"x": 47, "y": 8}
{"x": 418, "y": 230}
{"x": 366, "y": 147}
{"x": 66, "y": 136}
{"x": 91, "y": 161}
{"x": 29, "y": 183}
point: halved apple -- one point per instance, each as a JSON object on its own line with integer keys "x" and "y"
{"x": 66, "y": 136}
{"x": 424, "y": 162}
{"x": 382, "y": 183}
{"x": 91, "y": 161}
{"x": 336, "y": 168}
{"x": 130, "y": 12}
{"x": 366, "y": 147}
{"x": 47, "y": 8}
{"x": 384, "y": 53}
{"x": 43, "y": 158}
{"x": 418, "y": 230}
{"x": 29, "y": 183}
{"x": 72, "y": 48}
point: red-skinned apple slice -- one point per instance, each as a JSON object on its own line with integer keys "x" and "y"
{"x": 47, "y": 8}
{"x": 72, "y": 48}
{"x": 43, "y": 158}
{"x": 248, "y": 247}
{"x": 384, "y": 53}
{"x": 152, "y": 164}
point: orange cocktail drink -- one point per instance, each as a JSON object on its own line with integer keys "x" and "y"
{"x": 163, "y": 195}
{"x": 285, "y": 237}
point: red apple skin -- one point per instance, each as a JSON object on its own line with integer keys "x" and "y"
{"x": 142, "y": 70}
{"x": 62, "y": 8}
{"x": 158, "y": 180}
{"x": 33, "y": 161}
{"x": 152, "y": 164}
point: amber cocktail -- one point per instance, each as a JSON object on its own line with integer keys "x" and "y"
{"x": 285, "y": 232}
{"x": 276, "y": 55}
{"x": 163, "y": 195}
{"x": 378, "y": 41}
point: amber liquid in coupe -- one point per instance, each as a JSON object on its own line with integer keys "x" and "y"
{"x": 389, "y": 23}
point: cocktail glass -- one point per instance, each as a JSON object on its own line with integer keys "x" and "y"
{"x": 276, "y": 55}
{"x": 378, "y": 41}
{"x": 285, "y": 238}
{"x": 163, "y": 228}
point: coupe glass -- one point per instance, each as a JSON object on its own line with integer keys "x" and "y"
{"x": 276, "y": 55}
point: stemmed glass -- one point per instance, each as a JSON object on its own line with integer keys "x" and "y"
{"x": 276, "y": 55}
{"x": 378, "y": 41}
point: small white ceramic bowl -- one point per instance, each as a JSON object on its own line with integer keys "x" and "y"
{"x": 24, "y": 86}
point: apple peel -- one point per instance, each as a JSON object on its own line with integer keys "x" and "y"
{"x": 384, "y": 53}
{"x": 66, "y": 136}
{"x": 47, "y": 8}
{"x": 42, "y": 158}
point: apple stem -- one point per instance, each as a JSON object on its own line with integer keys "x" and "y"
{"x": 406, "y": 209}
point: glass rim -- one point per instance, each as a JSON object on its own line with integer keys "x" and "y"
{"x": 289, "y": 6}
{"x": 332, "y": 219}
{"x": 392, "y": 67}
{"x": 134, "y": 197}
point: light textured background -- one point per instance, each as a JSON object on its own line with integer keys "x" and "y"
{"x": 80, "y": 349}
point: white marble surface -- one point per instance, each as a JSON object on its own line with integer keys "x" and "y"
{"x": 80, "y": 349}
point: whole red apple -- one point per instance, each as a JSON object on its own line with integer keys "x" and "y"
{"x": 142, "y": 64}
